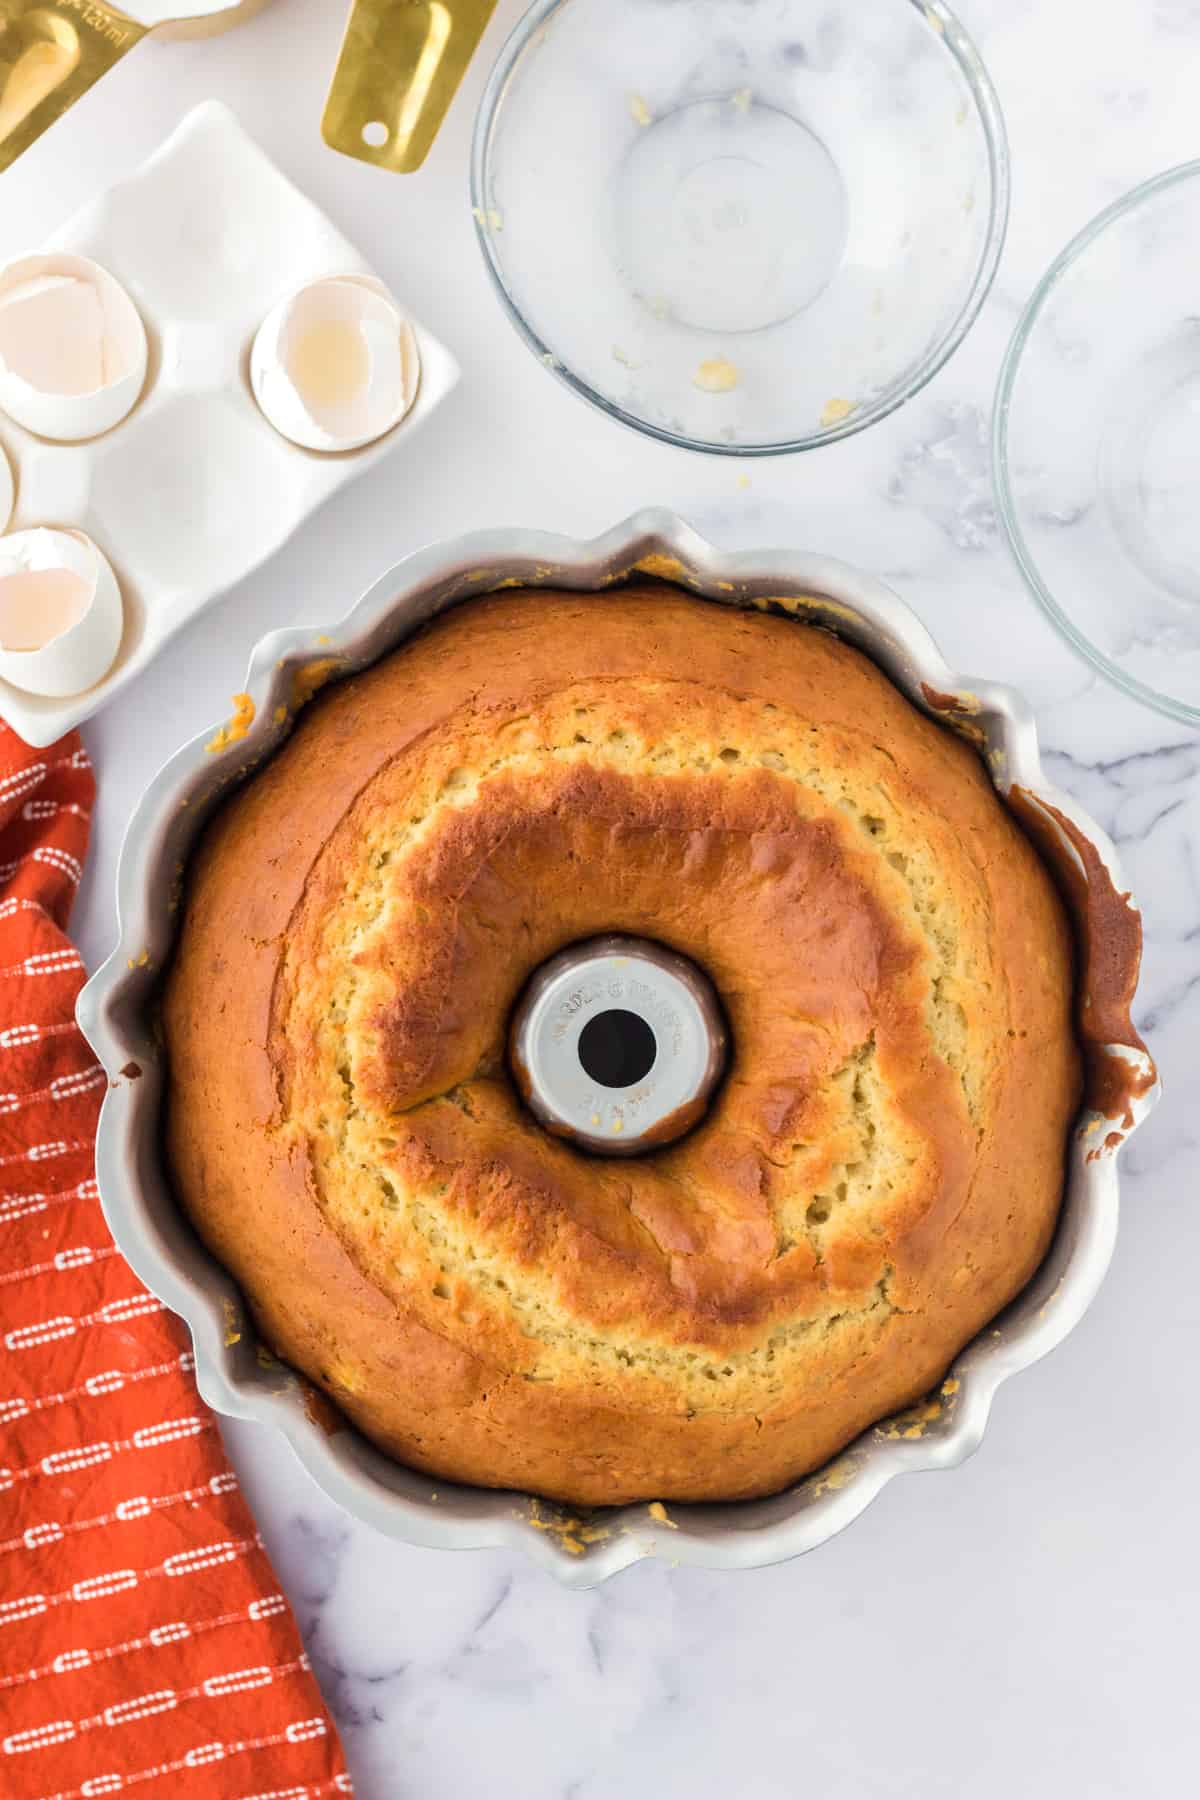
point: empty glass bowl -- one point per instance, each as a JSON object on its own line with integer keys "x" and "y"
{"x": 743, "y": 226}
{"x": 1097, "y": 443}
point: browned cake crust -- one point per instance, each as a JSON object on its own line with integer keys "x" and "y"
{"x": 879, "y": 1174}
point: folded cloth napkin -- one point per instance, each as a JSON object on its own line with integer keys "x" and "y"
{"x": 145, "y": 1647}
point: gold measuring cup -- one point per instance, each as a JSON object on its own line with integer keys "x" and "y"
{"x": 52, "y": 51}
{"x": 400, "y": 65}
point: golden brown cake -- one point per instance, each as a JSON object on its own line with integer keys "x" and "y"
{"x": 878, "y": 1175}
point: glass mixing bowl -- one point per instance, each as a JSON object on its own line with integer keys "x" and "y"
{"x": 742, "y": 226}
{"x": 1097, "y": 443}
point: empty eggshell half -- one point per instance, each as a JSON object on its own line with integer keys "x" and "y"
{"x": 336, "y": 366}
{"x": 7, "y": 490}
{"x": 60, "y": 611}
{"x": 72, "y": 347}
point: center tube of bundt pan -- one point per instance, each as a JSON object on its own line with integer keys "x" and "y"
{"x": 618, "y": 1045}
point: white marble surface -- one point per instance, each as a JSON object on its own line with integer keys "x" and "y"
{"x": 1025, "y": 1624}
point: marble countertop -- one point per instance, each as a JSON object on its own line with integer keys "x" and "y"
{"x": 1025, "y": 1623}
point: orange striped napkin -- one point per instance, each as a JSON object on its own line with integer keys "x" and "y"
{"x": 145, "y": 1647}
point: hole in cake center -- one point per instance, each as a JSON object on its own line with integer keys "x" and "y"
{"x": 617, "y": 1048}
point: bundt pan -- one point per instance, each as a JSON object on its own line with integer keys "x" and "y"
{"x": 118, "y": 1012}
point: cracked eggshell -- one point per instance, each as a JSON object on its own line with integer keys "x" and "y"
{"x": 80, "y": 655}
{"x": 73, "y": 349}
{"x": 7, "y": 489}
{"x": 335, "y": 366}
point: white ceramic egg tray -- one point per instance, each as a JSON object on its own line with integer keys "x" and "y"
{"x": 194, "y": 489}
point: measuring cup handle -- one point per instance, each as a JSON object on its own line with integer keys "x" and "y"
{"x": 397, "y": 72}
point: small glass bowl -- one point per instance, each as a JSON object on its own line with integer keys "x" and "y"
{"x": 742, "y": 226}
{"x": 1097, "y": 443}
